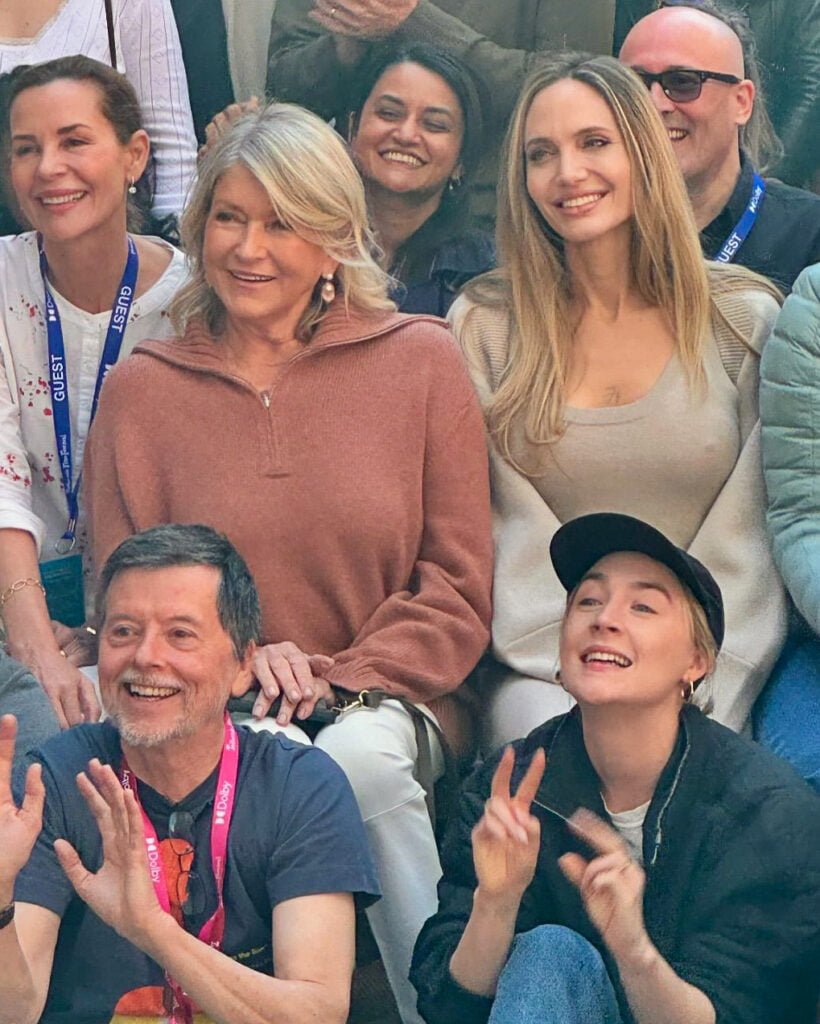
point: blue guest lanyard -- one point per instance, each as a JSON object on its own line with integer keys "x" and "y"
{"x": 59, "y": 383}
{"x": 741, "y": 230}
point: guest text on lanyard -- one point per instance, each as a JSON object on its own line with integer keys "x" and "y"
{"x": 728, "y": 250}
{"x": 182, "y": 1011}
{"x": 59, "y": 382}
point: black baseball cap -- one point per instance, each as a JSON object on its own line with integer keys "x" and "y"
{"x": 581, "y": 542}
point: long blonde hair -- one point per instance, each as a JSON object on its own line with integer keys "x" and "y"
{"x": 534, "y": 285}
{"x": 314, "y": 189}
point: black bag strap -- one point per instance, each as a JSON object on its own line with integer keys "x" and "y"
{"x": 423, "y": 725}
{"x": 112, "y": 42}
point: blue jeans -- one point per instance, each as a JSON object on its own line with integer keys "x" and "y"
{"x": 786, "y": 717}
{"x": 554, "y": 976}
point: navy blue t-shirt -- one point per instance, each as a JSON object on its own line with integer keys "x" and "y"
{"x": 296, "y": 831}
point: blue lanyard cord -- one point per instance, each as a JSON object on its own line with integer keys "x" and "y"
{"x": 739, "y": 233}
{"x": 59, "y": 383}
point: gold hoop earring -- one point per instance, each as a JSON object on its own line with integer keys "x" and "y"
{"x": 687, "y": 691}
{"x": 328, "y": 292}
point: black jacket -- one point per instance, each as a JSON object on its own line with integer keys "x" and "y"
{"x": 786, "y": 235}
{"x": 732, "y": 861}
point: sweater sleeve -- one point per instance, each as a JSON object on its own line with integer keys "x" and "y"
{"x": 421, "y": 642}
{"x": 153, "y": 64}
{"x": 790, "y": 413}
{"x": 732, "y": 541}
{"x": 528, "y": 599}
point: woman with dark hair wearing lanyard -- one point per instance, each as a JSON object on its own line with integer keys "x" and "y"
{"x": 661, "y": 868}
{"x": 77, "y": 293}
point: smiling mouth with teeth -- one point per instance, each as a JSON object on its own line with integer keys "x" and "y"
{"x": 73, "y": 197}
{"x": 676, "y": 134}
{"x": 571, "y": 204}
{"x": 607, "y": 657}
{"x": 402, "y": 158}
{"x": 150, "y": 692}
{"x": 251, "y": 278}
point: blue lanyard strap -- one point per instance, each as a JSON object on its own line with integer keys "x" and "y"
{"x": 740, "y": 231}
{"x": 59, "y": 383}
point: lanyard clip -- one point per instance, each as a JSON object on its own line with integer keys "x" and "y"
{"x": 68, "y": 541}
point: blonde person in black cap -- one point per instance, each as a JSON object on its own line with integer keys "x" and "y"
{"x": 661, "y": 868}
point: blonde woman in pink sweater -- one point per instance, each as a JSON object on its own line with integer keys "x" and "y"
{"x": 340, "y": 446}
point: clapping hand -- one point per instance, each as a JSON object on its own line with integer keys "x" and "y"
{"x": 507, "y": 837}
{"x": 19, "y": 826}
{"x": 611, "y": 884}
{"x": 121, "y": 892}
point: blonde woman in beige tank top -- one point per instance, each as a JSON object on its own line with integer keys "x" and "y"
{"x": 618, "y": 372}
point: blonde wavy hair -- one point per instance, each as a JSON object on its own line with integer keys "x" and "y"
{"x": 314, "y": 190}
{"x": 534, "y": 285}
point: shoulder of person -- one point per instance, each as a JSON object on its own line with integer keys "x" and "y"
{"x": 481, "y": 320}
{"x": 789, "y": 195}
{"x": 272, "y": 759}
{"x": 747, "y": 305}
{"x": 69, "y": 751}
{"x": 760, "y": 799}
{"x": 796, "y": 336}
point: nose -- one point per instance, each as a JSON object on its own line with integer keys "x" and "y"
{"x": 148, "y": 651}
{"x": 607, "y": 618}
{"x": 662, "y": 102}
{"x": 406, "y": 131}
{"x": 51, "y": 161}
{"x": 571, "y": 167}
{"x": 251, "y": 245}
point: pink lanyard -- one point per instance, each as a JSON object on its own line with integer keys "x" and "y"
{"x": 213, "y": 929}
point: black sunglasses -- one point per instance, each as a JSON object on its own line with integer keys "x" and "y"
{"x": 682, "y": 85}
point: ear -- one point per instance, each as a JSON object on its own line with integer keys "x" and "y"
{"x": 698, "y": 668}
{"x": 244, "y": 673}
{"x": 139, "y": 149}
{"x": 744, "y": 101}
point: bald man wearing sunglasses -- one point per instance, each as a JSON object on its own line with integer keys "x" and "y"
{"x": 697, "y": 61}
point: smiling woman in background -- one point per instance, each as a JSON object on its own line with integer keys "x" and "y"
{"x": 77, "y": 147}
{"x": 617, "y": 370}
{"x": 416, "y": 133}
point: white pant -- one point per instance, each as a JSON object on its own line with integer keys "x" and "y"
{"x": 377, "y": 750}
{"x": 516, "y": 705}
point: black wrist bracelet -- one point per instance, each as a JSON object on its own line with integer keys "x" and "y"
{"x": 6, "y": 915}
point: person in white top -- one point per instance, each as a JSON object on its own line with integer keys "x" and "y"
{"x": 147, "y": 49}
{"x": 77, "y": 145}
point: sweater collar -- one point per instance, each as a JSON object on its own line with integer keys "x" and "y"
{"x": 199, "y": 349}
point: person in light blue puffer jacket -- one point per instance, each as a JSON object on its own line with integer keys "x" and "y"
{"x": 787, "y": 716}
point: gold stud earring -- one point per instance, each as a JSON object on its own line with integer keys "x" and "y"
{"x": 328, "y": 291}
